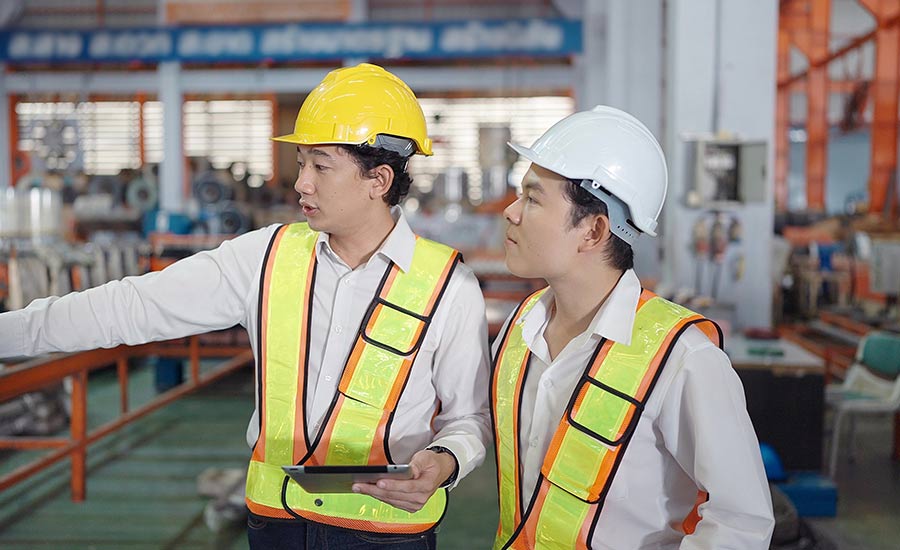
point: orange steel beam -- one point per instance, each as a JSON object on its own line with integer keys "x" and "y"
{"x": 13, "y": 141}
{"x": 79, "y": 432}
{"x": 32, "y": 443}
{"x": 782, "y": 120}
{"x": 885, "y": 89}
{"x": 834, "y": 86}
{"x": 836, "y": 54}
{"x": 21, "y": 380}
{"x": 34, "y": 375}
{"x": 122, "y": 375}
{"x": 184, "y": 351}
{"x": 809, "y": 22}
{"x": 32, "y": 378}
{"x": 194, "y": 355}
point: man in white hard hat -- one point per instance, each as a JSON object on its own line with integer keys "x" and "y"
{"x": 370, "y": 343}
{"x": 619, "y": 421}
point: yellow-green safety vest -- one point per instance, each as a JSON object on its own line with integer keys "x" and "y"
{"x": 593, "y": 434}
{"x": 374, "y": 376}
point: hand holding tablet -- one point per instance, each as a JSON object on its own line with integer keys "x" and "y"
{"x": 340, "y": 479}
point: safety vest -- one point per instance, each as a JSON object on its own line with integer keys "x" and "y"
{"x": 593, "y": 434}
{"x": 374, "y": 376}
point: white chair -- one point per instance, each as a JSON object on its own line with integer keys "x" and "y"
{"x": 871, "y": 386}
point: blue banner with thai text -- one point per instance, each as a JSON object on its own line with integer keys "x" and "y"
{"x": 296, "y": 42}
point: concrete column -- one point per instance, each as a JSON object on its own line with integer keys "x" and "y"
{"x": 742, "y": 100}
{"x": 171, "y": 170}
{"x": 590, "y": 86}
{"x": 5, "y": 156}
{"x": 622, "y": 66}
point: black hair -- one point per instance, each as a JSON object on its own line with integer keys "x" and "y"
{"x": 618, "y": 253}
{"x": 368, "y": 158}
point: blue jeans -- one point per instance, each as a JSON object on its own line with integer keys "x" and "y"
{"x": 268, "y": 534}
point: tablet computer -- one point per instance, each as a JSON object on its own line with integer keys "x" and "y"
{"x": 340, "y": 479}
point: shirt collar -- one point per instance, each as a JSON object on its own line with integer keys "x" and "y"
{"x": 397, "y": 248}
{"x": 613, "y": 321}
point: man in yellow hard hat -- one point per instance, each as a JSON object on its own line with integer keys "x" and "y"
{"x": 619, "y": 421}
{"x": 370, "y": 343}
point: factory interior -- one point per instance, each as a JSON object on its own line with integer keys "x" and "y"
{"x": 136, "y": 133}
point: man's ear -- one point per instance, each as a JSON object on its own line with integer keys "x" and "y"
{"x": 381, "y": 178}
{"x": 596, "y": 233}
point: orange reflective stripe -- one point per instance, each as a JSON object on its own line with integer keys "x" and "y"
{"x": 517, "y": 398}
{"x": 367, "y": 525}
{"x": 609, "y": 460}
{"x": 267, "y": 511}
{"x": 260, "y": 448}
{"x": 442, "y": 282}
{"x": 585, "y": 532}
{"x": 529, "y": 538}
{"x": 507, "y": 377}
{"x": 324, "y": 442}
{"x": 400, "y": 381}
{"x": 350, "y": 368}
{"x": 645, "y": 295}
{"x": 300, "y": 449}
{"x": 711, "y": 330}
{"x": 377, "y": 453}
{"x": 386, "y": 288}
{"x": 529, "y": 531}
{"x": 560, "y": 433}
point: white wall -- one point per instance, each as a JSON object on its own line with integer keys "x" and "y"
{"x": 746, "y": 101}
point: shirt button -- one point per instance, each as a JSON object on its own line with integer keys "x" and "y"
{"x": 548, "y": 384}
{"x": 328, "y": 379}
{"x": 347, "y": 281}
{"x": 338, "y": 329}
{"x": 533, "y": 443}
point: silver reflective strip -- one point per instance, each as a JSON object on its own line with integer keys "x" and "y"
{"x": 404, "y": 147}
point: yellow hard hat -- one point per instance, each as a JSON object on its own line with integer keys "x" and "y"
{"x": 355, "y": 105}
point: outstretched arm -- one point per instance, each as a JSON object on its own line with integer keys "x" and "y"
{"x": 207, "y": 291}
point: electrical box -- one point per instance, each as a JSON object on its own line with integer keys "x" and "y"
{"x": 725, "y": 172}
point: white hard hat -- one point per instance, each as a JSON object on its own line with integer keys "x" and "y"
{"x": 607, "y": 149}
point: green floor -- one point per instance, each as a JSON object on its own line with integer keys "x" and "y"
{"x": 142, "y": 483}
{"x": 868, "y": 515}
{"x": 142, "y": 489}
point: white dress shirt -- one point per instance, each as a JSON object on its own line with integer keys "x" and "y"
{"x": 694, "y": 433}
{"x": 220, "y": 288}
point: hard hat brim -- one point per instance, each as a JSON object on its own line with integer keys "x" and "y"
{"x": 288, "y": 138}
{"x": 296, "y": 139}
{"x": 528, "y": 154}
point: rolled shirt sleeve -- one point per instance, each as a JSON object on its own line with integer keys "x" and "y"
{"x": 206, "y": 291}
